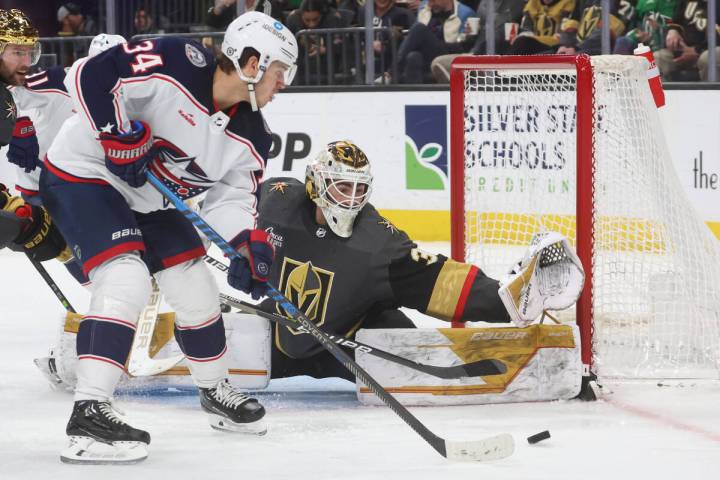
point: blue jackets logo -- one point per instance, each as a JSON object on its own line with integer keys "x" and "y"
{"x": 426, "y": 159}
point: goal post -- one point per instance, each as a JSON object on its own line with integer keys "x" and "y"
{"x": 574, "y": 144}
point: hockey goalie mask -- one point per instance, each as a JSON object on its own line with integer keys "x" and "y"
{"x": 274, "y": 41}
{"x": 16, "y": 30}
{"x": 339, "y": 182}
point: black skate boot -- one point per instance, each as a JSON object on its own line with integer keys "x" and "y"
{"x": 232, "y": 411}
{"x": 98, "y": 436}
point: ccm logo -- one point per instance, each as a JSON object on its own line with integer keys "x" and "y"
{"x": 126, "y": 233}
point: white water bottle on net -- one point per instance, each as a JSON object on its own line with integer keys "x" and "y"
{"x": 575, "y": 145}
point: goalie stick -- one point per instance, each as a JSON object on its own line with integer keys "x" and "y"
{"x": 489, "y": 366}
{"x": 492, "y": 448}
{"x": 140, "y": 363}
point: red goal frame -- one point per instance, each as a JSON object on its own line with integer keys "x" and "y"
{"x": 584, "y": 155}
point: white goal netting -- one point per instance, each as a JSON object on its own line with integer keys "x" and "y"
{"x": 656, "y": 265}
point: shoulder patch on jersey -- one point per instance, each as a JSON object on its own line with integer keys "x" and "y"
{"x": 388, "y": 225}
{"x": 10, "y": 109}
{"x": 278, "y": 187}
{"x": 195, "y": 56}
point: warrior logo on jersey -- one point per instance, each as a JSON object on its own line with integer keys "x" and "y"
{"x": 308, "y": 287}
{"x": 179, "y": 172}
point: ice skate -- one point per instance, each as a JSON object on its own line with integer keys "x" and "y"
{"x": 232, "y": 411}
{"x": 97, "y": 436}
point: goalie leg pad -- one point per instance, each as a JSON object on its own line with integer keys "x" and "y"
{"x": 548, "y": 277}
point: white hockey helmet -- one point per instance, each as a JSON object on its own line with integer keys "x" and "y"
{"x": 103, "y": 42}
{"x": 271, "y": 38}
{"x": 339, "y": 182}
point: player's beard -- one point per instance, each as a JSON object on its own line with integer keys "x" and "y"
{"x": 16, "y": 77}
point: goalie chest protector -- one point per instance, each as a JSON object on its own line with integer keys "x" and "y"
{"x": 330, "y": 289}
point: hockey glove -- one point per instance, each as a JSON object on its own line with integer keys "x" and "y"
{"x": 128, "y": 154}
{"x": 38, "y": 236}
{"x": 249, "y": 272}
{"x": 548, "y": 277}
{"x": 24, "y": 149}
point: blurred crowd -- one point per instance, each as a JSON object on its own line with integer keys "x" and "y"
{"x": 415, "y": 41}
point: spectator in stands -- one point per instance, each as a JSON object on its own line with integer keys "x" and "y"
{"x": 439, "y": 30}
{"x": 355, "y": 9}
{"x": 144, "y": 22}
{"x": 312, "y": 15}
{"x": 399, "y": 19}
{"x": 540, "y": 26}
{"x": 73, "y": 22}
{"x": 581, "y": 32}
{"x": 222, "y": 12}
{"x": 506, "y": 12}
{"x": 649, "y": 26}
{"x": 686, "y": 50}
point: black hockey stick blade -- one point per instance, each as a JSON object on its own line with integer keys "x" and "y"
{"x": 489, "y": 366}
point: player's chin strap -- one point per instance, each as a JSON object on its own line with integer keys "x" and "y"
{"x": 251, "y": 93}
{"x": 492, "y": 448}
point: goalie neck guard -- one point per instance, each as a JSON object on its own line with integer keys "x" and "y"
{"x": 339, "y": 182}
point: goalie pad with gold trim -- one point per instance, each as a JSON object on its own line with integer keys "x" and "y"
{"x": 248, "y": 341}
{"x": 548, "y": 277}
{"x": 543, "y": 363}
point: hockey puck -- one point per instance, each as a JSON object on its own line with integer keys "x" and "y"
{"x": 538, "y": 437}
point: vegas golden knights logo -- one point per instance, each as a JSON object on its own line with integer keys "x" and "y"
{"x": 308, "y": 287}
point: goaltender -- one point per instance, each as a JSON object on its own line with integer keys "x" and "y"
{"x": 346, "y": 267}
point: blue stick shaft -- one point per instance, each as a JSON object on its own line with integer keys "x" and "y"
{"x": 436, "y": 442}
{"x": 215, "y": 237}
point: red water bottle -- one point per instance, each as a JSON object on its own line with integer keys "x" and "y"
{"x": 653, "y": 74}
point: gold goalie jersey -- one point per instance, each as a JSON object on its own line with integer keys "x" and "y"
{"x": 339, "y": 282}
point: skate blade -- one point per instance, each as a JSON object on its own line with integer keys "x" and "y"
{"x": 223, "y": 424}
{"x": 88, "y": 451}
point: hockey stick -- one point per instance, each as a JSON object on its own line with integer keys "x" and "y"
{"x": 492, "y": 448}
{"x": 140, "y": 363}
{"x": 51, "y": 283}
{"x": 489, "y": 366}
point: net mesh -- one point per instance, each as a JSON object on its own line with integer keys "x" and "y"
{"x": 656, "y": 291}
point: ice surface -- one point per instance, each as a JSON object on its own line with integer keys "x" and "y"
{"x": 318, "y": 430}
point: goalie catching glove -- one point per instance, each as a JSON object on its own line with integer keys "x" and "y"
{"x": 549, "y": 277}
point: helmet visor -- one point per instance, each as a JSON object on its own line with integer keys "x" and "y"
{"x": 290, "y": 74}
{"x": 22, "y": 53}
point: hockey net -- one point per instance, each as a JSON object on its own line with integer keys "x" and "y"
{"x": 574, "y": 145}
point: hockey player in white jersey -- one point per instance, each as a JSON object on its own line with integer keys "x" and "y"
{"x": 43, "y": 105}
{"x": 166, "y": 105}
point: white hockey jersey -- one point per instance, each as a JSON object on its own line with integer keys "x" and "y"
{"x": 166, "y": 83}
{"x": 46, "y": 102}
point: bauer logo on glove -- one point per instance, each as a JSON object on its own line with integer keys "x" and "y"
{"x": 549, "y": 277}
